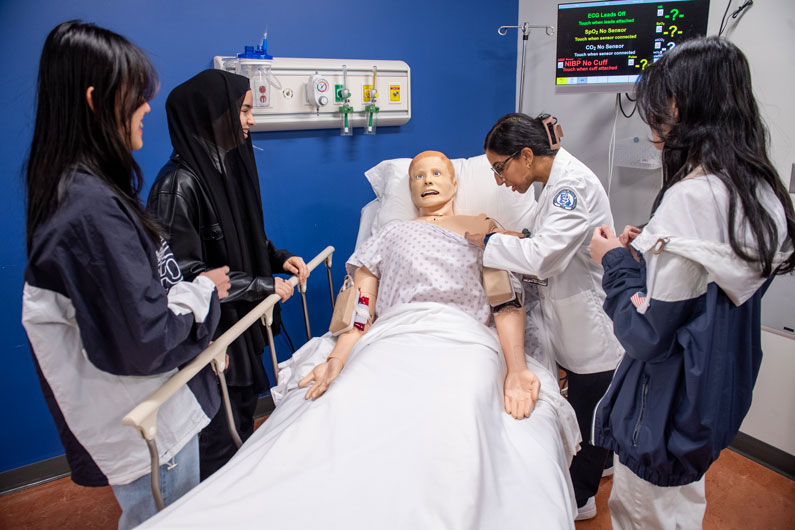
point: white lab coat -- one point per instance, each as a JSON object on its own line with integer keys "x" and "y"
{"x": 572, "y": 203}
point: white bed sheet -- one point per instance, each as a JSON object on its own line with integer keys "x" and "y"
{"x": 412, "y": 435}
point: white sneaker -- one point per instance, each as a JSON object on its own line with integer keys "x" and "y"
{"x": 588, "y": 511}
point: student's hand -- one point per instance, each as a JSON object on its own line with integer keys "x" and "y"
{"x": 322, "y": 374}
{"x": 510, "y": 233}
{"x": 220, "y": 278}
{"x": 603, "y": 241}
{"x": 477, "y": 240}
{"x": 480, "y": 229}
{"x": 283, "y": 288}
{"x": 628, "y": 235}
{"x": 295, "y": 265}
{"x": 521, "y": 393}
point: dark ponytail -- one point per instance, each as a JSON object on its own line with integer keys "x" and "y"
{"x": 513, "y": 132}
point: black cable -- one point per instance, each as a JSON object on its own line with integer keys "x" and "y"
{"x": 628, "y": 96}
{"x": 287, "y": 335}
{"x": 737, "y": 11}
{"x": 735, "y": 14}
{"x": 723, "y": 19}
{"x": 620, "y": 106}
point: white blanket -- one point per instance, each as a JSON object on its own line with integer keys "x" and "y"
{"x": 412, "y": 435}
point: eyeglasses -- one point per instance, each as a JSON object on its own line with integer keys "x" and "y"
{"x": 499, "y": 167}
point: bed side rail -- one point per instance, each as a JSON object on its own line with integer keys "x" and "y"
{"x": 144, "y": 416}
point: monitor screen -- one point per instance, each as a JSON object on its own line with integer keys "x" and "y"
{"x": 604, "y": 45}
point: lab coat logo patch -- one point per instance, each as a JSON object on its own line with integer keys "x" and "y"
{"x": 565, "y": 199}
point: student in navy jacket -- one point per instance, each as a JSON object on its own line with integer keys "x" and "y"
{"x": 108, "y": 318}
{"x": 685, "y": 292}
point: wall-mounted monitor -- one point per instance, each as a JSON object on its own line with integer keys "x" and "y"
{"x": 604, "y": 45}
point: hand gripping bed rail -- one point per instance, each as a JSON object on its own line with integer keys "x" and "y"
{"x": 144, "y": 416}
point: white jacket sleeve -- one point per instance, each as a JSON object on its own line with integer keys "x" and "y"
{"x": 559, "y": 233}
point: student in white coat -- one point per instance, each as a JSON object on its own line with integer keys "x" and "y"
{"x": 554, "y": 253}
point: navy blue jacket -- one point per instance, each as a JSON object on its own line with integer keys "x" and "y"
{"x": 109, "y": 321}
{"x": 686, "y": 381}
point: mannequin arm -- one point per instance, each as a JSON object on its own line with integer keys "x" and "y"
{"x": 324, "y": 373}
{"x": 521, "y": 384}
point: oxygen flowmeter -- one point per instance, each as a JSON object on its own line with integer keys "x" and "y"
{"x": 317, "y": 91}
{"x": 371, "y": 110}
{"x": 346, "y": 110}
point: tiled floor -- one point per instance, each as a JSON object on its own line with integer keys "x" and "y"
{"x": 741, "y": 495}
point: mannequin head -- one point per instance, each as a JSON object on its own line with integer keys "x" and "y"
{"x": 432, "y": 183}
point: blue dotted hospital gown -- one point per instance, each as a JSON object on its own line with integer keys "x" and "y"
{"x": 416, "y": 261}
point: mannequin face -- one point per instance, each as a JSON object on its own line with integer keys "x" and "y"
{"x": 515, "y": 172}
{"x": 246, "y": 116}
{"x": 432, "y": 183}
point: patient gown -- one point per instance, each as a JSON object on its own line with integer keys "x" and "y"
{"x": 412, "y": 434}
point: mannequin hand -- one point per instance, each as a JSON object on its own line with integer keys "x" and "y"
{"x": 322, "y": 374}
{"x": 220, "y": 278}
{"x": 521, "y": 393}
{"x": 283, "y": 288}
{"x": 295, "y": 265}
{"x": 603, "y": 241}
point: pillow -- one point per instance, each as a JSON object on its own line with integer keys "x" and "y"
{"x": 477, "y": 193}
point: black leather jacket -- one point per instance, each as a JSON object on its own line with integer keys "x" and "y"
{"x": 183, "y": 208}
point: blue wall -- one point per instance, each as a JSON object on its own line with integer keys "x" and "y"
{"x": 463, "y": 79}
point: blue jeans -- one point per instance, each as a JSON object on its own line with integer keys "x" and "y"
{"x": 135, "y": 498}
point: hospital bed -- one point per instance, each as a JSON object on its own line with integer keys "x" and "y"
{"x": 556, "y": 435}
{"x": 144, "y": 416}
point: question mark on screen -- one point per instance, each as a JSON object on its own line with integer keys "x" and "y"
{"x": 672, "y": 30}
{"x": 674, "y": 13}
{"x": 643, "y": 63}
{"x": 671, "y": 45}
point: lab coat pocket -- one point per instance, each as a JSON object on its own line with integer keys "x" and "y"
{"x": 574, "y": 329}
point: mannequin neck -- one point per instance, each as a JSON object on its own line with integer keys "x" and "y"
{"x": 443, "y": 210}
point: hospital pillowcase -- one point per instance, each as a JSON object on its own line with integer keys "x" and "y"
{"x": 477, "y": 193}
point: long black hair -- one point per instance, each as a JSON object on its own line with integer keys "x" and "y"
{"x": 698, "y": 100}
{"x": 513, "y": 132}
{"x": 68, "y": 134}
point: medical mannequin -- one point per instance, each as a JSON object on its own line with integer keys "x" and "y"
{"x": 522, "y": 151}
{"x": 433, "y": 187}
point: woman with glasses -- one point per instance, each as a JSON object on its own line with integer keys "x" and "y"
{"x": 554, "y": 254}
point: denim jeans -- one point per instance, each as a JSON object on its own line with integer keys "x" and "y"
{"x": 135, "y": 498}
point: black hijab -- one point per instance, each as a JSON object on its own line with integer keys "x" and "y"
{"x": 206, "y": 132}
{"x": 204, "y": 123}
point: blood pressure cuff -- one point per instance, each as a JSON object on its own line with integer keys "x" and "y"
{"x": 501, "y": 287}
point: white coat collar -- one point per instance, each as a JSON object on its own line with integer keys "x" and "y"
{"x": 560, "y": 165}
